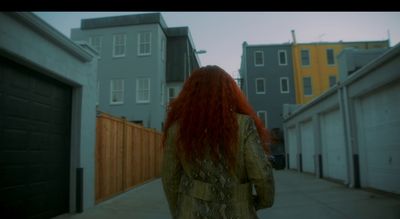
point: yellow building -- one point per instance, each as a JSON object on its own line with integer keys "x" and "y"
{"x": 316, "y": 67}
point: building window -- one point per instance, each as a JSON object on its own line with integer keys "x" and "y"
{"x": 96, "y": 42}
{"x": 282, "y": 57}
{"x": 171, "y": 93}
{"x": 330, "y": 57}
{"x": 163, "y": 49}
{"x": 332, "y": 80}
{"x": 305, "y": 57}
{"x": 144, "y": 43}
{"x": 143, "y": 90}
{"x": 263, "y": 116}
{"x": 119, "y": 45}
{"x": 284, "y": 85}
{"x": 117, "y": 91}
{"x": 307, "y": 86}
{"x": 260, "y": 86}
{"x": 258, "y": 58}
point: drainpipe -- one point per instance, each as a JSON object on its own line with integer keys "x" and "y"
{"x": 352, "y": 167}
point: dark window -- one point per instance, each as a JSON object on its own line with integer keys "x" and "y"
{"x": 307, "y": 86}
{"x": 282, "y": 58}
{"x": 332, "y": 80}
{"x": 330, "y": 57}
{"x": 258, "y": 58}
{"x": 305, "y": 57}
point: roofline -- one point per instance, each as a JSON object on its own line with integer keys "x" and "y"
{"x": 259, "y": 45}
{"x": 135, "y": 20}
{"x": 40, "y": 26}
{"x": 343, "y": 42}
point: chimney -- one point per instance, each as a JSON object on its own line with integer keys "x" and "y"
{"x": 294, "y": 37}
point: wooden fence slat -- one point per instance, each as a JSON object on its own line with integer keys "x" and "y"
{"x": 126, "y": 155}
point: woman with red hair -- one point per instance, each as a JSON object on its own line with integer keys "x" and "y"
{"x": 215, "y": 151}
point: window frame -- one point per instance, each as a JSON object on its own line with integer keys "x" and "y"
{"x": 115, "y": 46}
{"x": 113, "y": 90}
{"x": 264, "y": 84}
{"x": 279, "y": 57}
{"x": 309, "y": 58}
{"x": 287, "y": 85}
{"x": 140, "y": 42}
{"x": 148, "y": 100}
{"x": 98, "y": 48}
{"x": 333, "y": 57}
{"x": 255, "y": 58}
{"x": 311, "y": 88}
{"x": 329, "y": 79}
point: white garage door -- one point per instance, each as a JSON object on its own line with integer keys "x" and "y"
{"x": 292, "y": 148}
{"x": 333, "y": 146}
{"x": 307, "y": 147}
{"x": 380, "y": 139}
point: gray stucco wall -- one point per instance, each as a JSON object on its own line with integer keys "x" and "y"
{"x": 33, "y": 43}
{"x": 130, "y": 68}
{"x": 272, "y": 101}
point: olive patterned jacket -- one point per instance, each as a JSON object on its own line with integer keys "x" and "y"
{"x": 204, "y": 190}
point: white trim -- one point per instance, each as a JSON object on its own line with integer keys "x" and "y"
{"x": 96, "y": 47}
{"x": 98, "y": 93}
{"x": 256, "y": 80}
{"x": 307, "y": 95}
{"x": 279, "y": 57}
{"x": 114, "y": 44}
{"x": 112, "y": 90}
{"x": 147, "y": 100}
{"x": 262, "y": 58}
{"x": 287, "y": 83}
{"x": 309, "y": 58}
{"x": 144, "y": 43}
{"x": 265, "y": 117}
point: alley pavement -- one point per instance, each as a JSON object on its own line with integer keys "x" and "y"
{"x": 298, "y": 195}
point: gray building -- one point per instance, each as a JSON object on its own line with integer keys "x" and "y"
{"x": 132, "y": 69}
{"x": 267, "y": 80}
{"x": 181, "y": 59}
{"x": 352, "y": 59}
{"x": 47, "y": 120}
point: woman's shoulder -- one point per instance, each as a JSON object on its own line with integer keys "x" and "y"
{"x": 243, "y": 119}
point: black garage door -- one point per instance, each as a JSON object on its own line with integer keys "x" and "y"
{"x": 35, "y": 113}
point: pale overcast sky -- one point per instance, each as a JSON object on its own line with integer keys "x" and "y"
{"x": 221, "y": 34}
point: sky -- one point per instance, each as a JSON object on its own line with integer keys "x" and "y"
{"x": 221, "y": 34}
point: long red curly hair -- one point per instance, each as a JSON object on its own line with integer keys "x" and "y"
{"x": 206, "y": 113}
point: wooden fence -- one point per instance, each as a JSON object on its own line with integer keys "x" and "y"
{"x": 127, "y": 155}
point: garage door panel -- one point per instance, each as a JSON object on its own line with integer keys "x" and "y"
{"x": 380, "y": 149}
{"x": 15, "y": 140}
{"x": 389, "y": 130}
{"x": 35, "y": 117}
{"x": 333, "y": 146}
{"x": 12, "y": 176}
{"x": 307, "y": 147}
{"x": 292, "y": 148}
{"x": 17, "y": 107}
{"x": 387, "y": 178}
